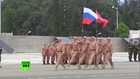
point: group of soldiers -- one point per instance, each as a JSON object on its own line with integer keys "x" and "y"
{"x": 84, "y": 51}
{"x": 134, "y": 49}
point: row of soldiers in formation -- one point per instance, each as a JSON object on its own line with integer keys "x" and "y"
{"x": 90, "y": 52}
{"x": 134, "y": 49}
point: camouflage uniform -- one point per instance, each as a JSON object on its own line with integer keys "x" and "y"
{"x": 130, "y": 50}
{"x": 0, "y": 56}
{"x": 135, "y": 50}
{"x": 138, "y": 47}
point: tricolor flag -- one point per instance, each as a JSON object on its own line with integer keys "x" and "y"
{"x": 89, "y": 16}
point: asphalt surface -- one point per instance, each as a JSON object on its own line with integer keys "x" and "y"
{"x": 123, "y": 70}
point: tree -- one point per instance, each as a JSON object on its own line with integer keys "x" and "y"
{"x": 8, "y": 21}
{"x": 126, "y": 19}
{"x": 63, "y": 17}
{"x": 122, "y": 31}
{"x": 76, "y": 25}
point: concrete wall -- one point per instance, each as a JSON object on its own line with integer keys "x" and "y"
{"x": 27, "y": 43}
{"x": 33, "y": 44}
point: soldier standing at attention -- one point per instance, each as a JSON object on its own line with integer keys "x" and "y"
{"x": 135, "y": 50}
{"x": 0, "y": 56}
{"x": 130, "y": 50}
{"x": 48, "y": 52}
{"x": 44, "y": 53}
{"x": 54, "y": 52}
{"x": 138, "y": 47}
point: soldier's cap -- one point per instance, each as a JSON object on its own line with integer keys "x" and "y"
{"x": 59, "y": 38}
{"x": 92, "y": 37}
{"x": 74, "y": 37}
{"x": 99, "y": 38}
{"x": 109, "y": 38}
{"x": 131, "y": 39}
{"x": 84, "y": 37}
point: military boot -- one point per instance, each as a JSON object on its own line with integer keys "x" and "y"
{"x": 112, "y": 67}
{"x": 55, "y": 69}
{"x": 103, "y": 66}
{"x": 53, "y": 62}
{"x": 88, "y": 67}
{"x": 130, "y": 60}
{"x": 48, "y": 62}
{"x": 96, "y": 67}
{"x": 44, "y": 63}
{"x": 79, "y": 67}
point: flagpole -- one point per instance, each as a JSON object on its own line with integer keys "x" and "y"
{"x": 96, "y": 32}
{"x": 82, "y": 32}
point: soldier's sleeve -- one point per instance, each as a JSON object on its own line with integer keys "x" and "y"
{"x": 96, "y": 48}
{"x": 112, "y": 48}
{"x": 63, "y": 48}
{"x": 128, "y": 45}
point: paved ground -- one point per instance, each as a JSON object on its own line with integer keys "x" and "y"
{"x": 16, "y": 58}
{"x": 12, "y": 69}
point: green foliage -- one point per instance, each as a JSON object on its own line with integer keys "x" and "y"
{"x": 64, "y": 17}
{"x": 75, "y": 22}
{"x": 8, "y": 21}
{"x": 122, "y": 31}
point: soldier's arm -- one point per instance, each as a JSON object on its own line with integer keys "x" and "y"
{"x": 112, "y": 49}
{"x": 96, "y": 48}
{"x": 63, "y": 48}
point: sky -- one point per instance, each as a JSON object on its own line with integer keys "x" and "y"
{"x": 122, "y": 0}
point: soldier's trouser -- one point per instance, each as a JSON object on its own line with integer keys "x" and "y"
{"x": 53, "y": 57}
{"x": 130, "y": 55}
{"x": 0, "y": 56}
{"x": 83, "y": 56}
{"x": 139, "y": 55}
{"x": 78, "y": 57}
{"x": 69, "y": 57}
{"x": 91, "y": 58}
{"x": 59, "y": 60}
{"x": 43, "y": 58}
{"x": 87, "y": 57}
{"x": 135, "y": 55}
{"x": 104, "y": 55}
{"x": 73, "y": 56}
{"x": 99, "y": 59}
{"x": 65, "y": 57}
{"x": 48, "y": 57}
{"x": 108, "y": 58}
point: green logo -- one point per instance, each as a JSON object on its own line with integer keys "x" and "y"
{"x": 25, "y": 65}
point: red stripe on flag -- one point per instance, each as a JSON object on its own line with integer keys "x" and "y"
{"x": 86, "y": 21}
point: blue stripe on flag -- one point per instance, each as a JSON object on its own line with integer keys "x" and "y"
{"x": 87, "y": 15}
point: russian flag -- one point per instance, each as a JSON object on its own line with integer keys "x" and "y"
{"x": 89, "y": 16}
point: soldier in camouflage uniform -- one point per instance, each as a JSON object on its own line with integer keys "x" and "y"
{"x": 0, "y": 56}
{"x": 130, "y": 49}
{"x": 135, "y": 50}
{"x": 138, "y": 47}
